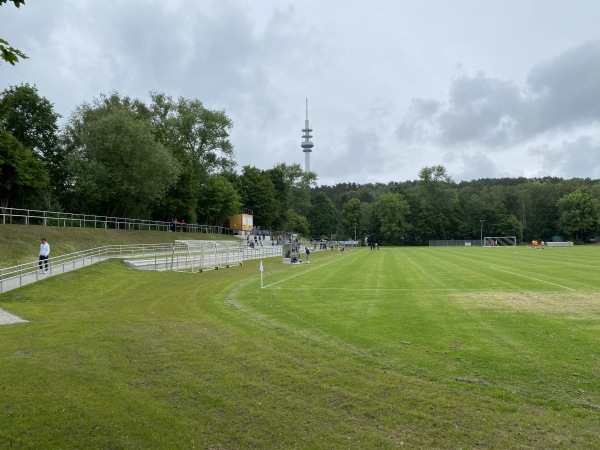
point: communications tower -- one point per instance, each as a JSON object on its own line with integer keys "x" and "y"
{"x": 307, "y": 144}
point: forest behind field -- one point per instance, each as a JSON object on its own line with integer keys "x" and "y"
{"x": 172, "y": 159}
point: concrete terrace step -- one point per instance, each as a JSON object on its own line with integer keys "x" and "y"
{"x": 7, "y": 318}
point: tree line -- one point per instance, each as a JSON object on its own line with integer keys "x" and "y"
{"x": 173, "y": 158}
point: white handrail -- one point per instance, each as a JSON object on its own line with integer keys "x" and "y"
{"x": 62, "y": 219}
{"x": 16, "y": 276}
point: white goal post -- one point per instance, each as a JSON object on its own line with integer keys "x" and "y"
{"x": 500, "y": 241}
{"x": 198, "y": 256}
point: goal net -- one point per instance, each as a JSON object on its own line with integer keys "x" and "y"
{"x": 198, "y": 256}
{"x": 500, "y": 241}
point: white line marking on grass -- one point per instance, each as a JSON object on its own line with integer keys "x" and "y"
{"x": 306, "y": 271}
{"x": 532, "y": 278}
{"x": 373, "y": 289}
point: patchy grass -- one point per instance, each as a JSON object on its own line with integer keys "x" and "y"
{"x": 410, "y": 348}
{"x": 574, "y": 304}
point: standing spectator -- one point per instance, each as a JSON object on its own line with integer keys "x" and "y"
{"x": 307, "y": 254}
{"x": 182, "y": 224}
{"x": 44, "y": 253}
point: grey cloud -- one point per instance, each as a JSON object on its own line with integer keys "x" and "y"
{"x": 480, "y": 109}
{"x": 419, "y": 120}
{"x": 560, "y": 94}
{"x": 259, "y": 59}
{"x": 363, "y": 149}
{"x": 187, "y": 49}
{"x": 210, "y": 49}
{"x": 566, "y": 90}
{"x": 475, "y": 166}
{"x": 572, "y": 159}
{"x": 204, "y": 49}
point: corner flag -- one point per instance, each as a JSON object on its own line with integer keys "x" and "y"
{"x": 261, "y": 274}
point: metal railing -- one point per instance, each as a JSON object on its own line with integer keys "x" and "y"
{"x": 17, "y": 276}
{"x": 455, "y": 243}
{"x": 23, "y": 274}
{"x": 62, "y": 219}
{"x": 217, "y": 254}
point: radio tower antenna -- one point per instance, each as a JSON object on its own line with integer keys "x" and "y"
{"x": 307, "y": 145}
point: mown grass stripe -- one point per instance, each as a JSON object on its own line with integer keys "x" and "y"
{"x": 425, "y": 347}
{"x": 533, "y": 278}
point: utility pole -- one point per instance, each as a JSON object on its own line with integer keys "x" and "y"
{"x": 481, "y": 233}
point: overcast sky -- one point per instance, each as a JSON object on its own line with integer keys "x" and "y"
{"x": 487, "y": 89}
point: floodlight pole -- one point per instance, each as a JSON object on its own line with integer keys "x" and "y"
{"x": 481, "y": 232}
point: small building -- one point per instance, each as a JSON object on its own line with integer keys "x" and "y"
{"x": 242, "y": 223}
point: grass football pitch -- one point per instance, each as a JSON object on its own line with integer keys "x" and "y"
{"x": 390, "y": 348}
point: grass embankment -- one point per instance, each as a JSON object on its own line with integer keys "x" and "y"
{"x": 397, "y": 348}
{"x": 20, "y": 244}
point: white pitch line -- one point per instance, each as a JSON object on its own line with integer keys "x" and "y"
{"x": 532, "y": 278}
{"x": 374, "y": 289}
{"x": 319, "y": 266}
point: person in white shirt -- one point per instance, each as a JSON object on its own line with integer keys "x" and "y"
{"x": 44, "y": 253}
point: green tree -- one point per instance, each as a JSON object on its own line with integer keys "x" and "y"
{"x": 292, "y": 186}
{"x": 352, "y": 218}
{"x": 20, "y": 170}
{"x": 31, "y": 119}
{"x": 298, "y": 183}
{"x": 118, "y": 166}
{"x": 198, "y": 131}
{"x": 439, "y": 203}
{"x": 199, "y": 138}
{"x": 511, "y": 226}
{"x": 217, "y": 200}
{"x": 7, "y": 53}
{"x": 538, "y": 212}
{"x": 579, "y": 214}
{"x": 323, "y": 217}
{"x": 434, "y": 181}
{"x": 389, "y": 214}
{"x": 282, "y": 189}
{"x": 295, "y": 222}
{"x": 257, "y": 192}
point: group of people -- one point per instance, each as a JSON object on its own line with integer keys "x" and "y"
{"x": 255, "y": 241}
{"x": 264, "y": 233}
{"x": 258, "y": 238}
{"x": 296, "y": 259}
{"x": 174, "y": 225}
{"x": 535, "y": 244}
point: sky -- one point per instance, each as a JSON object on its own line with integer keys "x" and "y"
{"x": 487, "y": 89}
